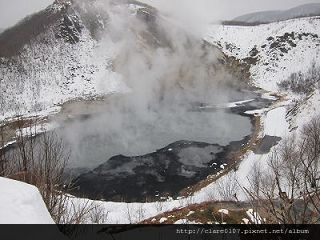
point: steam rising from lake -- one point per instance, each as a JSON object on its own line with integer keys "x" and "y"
{"x": 167, "y": 73}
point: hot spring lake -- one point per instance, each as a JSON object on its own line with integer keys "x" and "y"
{"x": 122, "y": 155}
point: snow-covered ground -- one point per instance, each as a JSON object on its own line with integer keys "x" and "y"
{"x": 21, "y": 203}
{"x": 308, "y": 108}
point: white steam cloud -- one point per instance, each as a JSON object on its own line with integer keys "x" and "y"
{"x": 169, "y": 73}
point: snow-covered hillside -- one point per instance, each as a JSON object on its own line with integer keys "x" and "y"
{"x": 60, "y": 57}
{"x": 273, "y": 53}
{"x": 274, "y": 50}
{"x": 21, "y": 203}
{"x": 306, "y": 10}
{"x": 49, "y": 71}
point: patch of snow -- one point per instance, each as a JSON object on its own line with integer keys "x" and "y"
{"x": 227, "y": 105}
{"x": 214, "y": 164}
{"x": 190, "y": 213}
{"x": 186, "y": 221}
{"x": 224, "y": 211}
{"x": 21, "y": 203}
{"x": 181, "y": 221}
{"x": 162, "y": 220}
{"x": 37, "y": 129}
{"x": 276, "y": 124}
{"x": 134, "y": 8}
{"x": 245, "y": 220}
{"x": 239, "y": 103}
{"x": 8, "y": 144}
{"x": 310, "y": 108}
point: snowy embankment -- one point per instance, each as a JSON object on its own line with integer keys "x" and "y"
{"x": 21, "y": 203}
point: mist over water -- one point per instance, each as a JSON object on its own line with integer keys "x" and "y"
{"x": 131, "y": 135}
{"x": 167, "y": 73}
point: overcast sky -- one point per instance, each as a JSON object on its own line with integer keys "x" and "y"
{"x": 225, "y": 9}
{"x": 11, "y": 11}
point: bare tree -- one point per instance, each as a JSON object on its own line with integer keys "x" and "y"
{"x": 228, "y": 187}
{"x": 2, "y": 149}
{"x": 129, "y": 213}
{"x": 73, "y": 211}
{"x": 159, "y": 205}
{"x": 289, "y": 192}
{"x": 98, "y": 215}
{"x": 140, "y": 212}
{"x": 40, "y": 159}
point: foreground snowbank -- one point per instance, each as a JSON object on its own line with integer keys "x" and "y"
{"x": 21, "y": 203}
